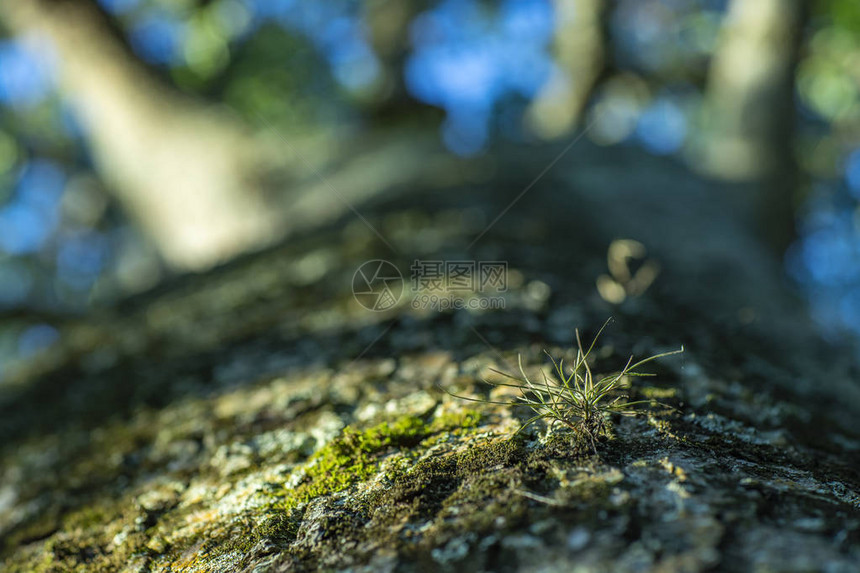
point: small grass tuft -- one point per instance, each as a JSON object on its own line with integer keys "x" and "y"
{"x": 571, "y": 397}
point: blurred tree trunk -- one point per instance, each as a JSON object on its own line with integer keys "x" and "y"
{"x": 187, "y": 172}
{"x": 580, "y": 52}
{"x": 196, "y": 179}
{"x": 388, "y": 28}
{"x": 750, "y": 104}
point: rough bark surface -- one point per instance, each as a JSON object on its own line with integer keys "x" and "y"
{"x": 225, "y": 422}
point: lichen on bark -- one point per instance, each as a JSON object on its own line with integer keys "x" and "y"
{"x": 225, "y": 423}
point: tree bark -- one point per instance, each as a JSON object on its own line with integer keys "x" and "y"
{"x": 202, "y": 427}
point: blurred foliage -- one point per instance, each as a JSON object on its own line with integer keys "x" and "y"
{"x": 306, "y": 65}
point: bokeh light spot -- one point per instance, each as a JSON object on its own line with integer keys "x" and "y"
{"x": 36, "y": 338}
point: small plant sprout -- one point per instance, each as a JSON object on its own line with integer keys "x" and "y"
{"x": 571, "y": 396}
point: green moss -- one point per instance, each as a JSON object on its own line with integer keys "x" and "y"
{"x": 278, "y": 526}
{"x": 75, "y": 540}
{"x": 40, "y": 528}
{"x": 85, "y": 518}
{"x": 349, "y": 459}
{"x": 467, "y": 489}
{"x": 566, "y": 445}
{"x": 456, "y": 420}
{"x": 352, "y": 457}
